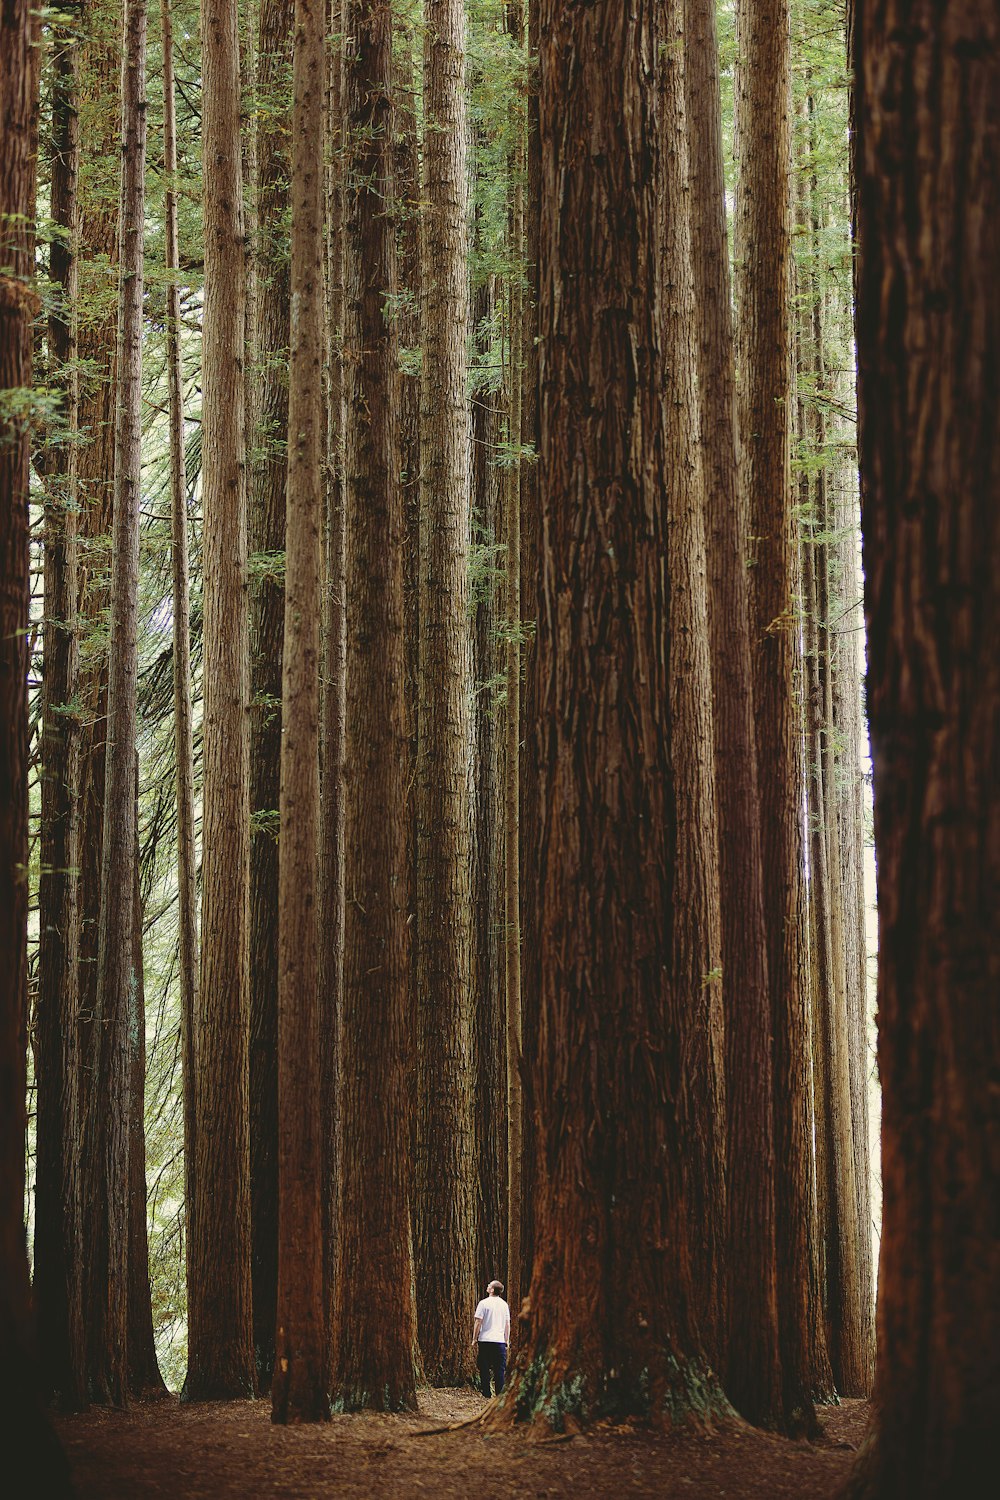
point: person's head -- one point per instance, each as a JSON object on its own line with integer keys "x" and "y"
{"x": 495, "y": 1288}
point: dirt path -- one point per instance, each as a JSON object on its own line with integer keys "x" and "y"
{"x": 221, "y": 1452}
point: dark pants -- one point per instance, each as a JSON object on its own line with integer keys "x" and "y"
{"x": 492, "y": 1361}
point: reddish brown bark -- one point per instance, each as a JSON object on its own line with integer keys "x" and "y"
{"x": 58, "y": 1242}
{"x": 613, "y": 1222}
{"x": 266, "y": 524}
{"x": 928, "y": 329}
{"x": 373, "y": 1355}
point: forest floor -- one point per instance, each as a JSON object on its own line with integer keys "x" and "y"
{"x": 221, "y": 1452}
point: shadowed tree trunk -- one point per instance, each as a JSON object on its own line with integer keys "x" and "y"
{"x": 615, "y": 1029}
{"x": 268, "y": 473}
{"x": 373, "y": 1354}
{"x": 105, "y": 1160}
{"x": 58, "y": 1242}
{"x": 19, "y": 1383}
{"x": 299, "y": 1384}
{"x": 750, "y": 1312}
{"x": 928, "y": 330}
{"x": 220, "y": 1338}
{"x": 762, "y": 233}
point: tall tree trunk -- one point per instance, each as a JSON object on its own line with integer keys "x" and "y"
{"x": 490, "y": 1049}
{"x": 220, "y": 1347}
{"x": 19, "y": 1383}
{"x": 373, "y": 1355}
{"x": 97, "y": 349}
{"x": 58, "y": 1242}
{"x": 187, "y": 873}
{"x": 299, "y": 1385}
{"x": 696, "y": 957}
{"x": 750, "y": 1313}
{"x": 928, "y": 330}
{"x": 144, "y": 1378}
{"x": 530, "y": 525}
{"x": 763, "y": 208}
{"x": 268, "y": 475}
{"x": 445, "y": 1222}
{"x": 334, "y": 665}
{"x": 105, "y": 1163}
{"x": 512, "y": 709}
{"x": 845, "y": 1320}
{"x": 614, "y": 1027}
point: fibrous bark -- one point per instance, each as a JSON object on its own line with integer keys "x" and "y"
{"x": 749, "y": 1315}
{"x": 268, "y": 475}
{"x": 220, "y": 1351}
{"x": 927, "y": 79}
{"x": 58, "y": 1242}
{"x": 373, "y": 1355}
{"x": 105, "y": 1162}
{"x": 445, "y": 1222}
{"x": 615, "y": 1028}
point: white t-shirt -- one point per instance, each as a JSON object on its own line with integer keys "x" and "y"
{"x": 496, "y": 1321}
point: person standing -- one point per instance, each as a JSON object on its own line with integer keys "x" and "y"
{"x": 491, "y": 1336}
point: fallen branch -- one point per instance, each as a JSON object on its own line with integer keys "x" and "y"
{"x": 456, "y": 1426}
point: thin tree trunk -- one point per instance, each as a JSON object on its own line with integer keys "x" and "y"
{"x": 268, "y": 475}
{"x": 97, "y": 348}
{"x": 614, "y": 1027}
{"x": 19, "y": 1384}
{"x": 58, "y": 1241}
{"x": 105, "y": 1165}
{"x": 299, "y": 1385}
{"x": 512, "y": 717}
{"x": 373, "y": 1354}
{"x": 750, "y": 1314}
{"x": 220, "y": 1340}
{"x": 928, "y": 330}
{"x": 187, "y": 898}
{"x": 334, "y": 667}
{"x": 697, "y": 938}
{"x": 144, "y": 1378}
{"x": 764, "y": 356}
{"x": 445, "y": 1222}
{"x": 490, "y": 1050}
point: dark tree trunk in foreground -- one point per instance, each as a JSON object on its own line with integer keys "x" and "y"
{"x": 373, "y": 1353}
{"x": 749, "y": 1313}
{"x": 268, "y": 477}
{"x": 58, "y": 1242}
{"x": 220, "y": 1349}
{"x": 764, "y": 358}
{"x": 445, "y": 1221}
{"x": 615, "y": 1029}
{"x": 19, "y": 1386}
{"x": 928, "y": 304}
{"x": 187, "y": 874}
{"x": 105, "y": 1164}
{"x": 299, "y": 1384}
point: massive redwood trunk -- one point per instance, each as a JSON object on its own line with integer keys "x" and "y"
{"x": 610, "y": 1330}
{"x": 928, "y": 330}
{"x": 373, "y": 1354}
